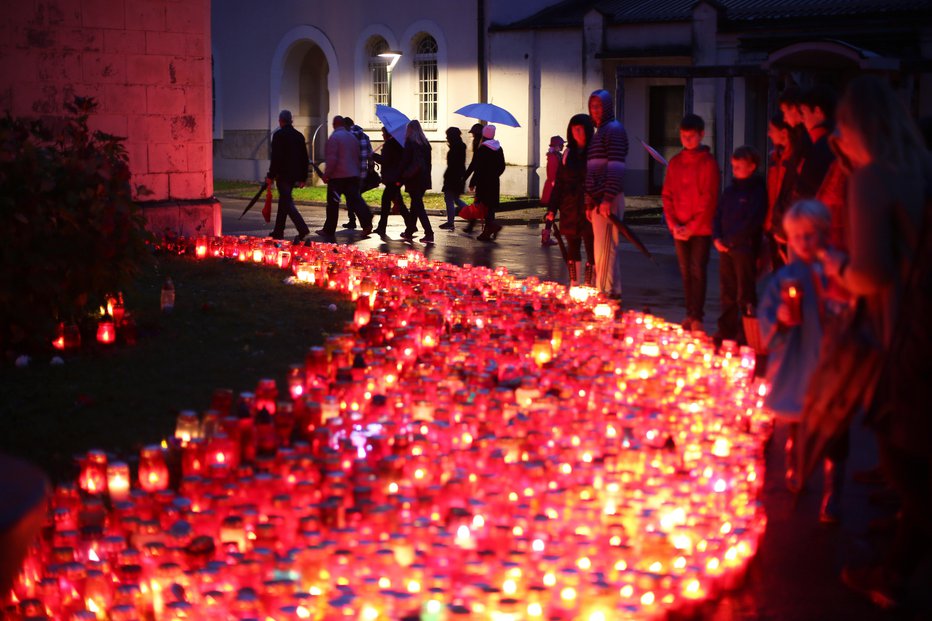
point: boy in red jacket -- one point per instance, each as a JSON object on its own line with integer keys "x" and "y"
{"x": 690, "y": 196}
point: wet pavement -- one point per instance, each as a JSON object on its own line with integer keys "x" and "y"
{"x": 795, "y": 574}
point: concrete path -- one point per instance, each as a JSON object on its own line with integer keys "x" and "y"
{"x": 795, "y": 575}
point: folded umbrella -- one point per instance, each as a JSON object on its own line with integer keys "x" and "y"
{"x": 255, "y": 198}
{"x": 654, "y": 153}
{"x": 490, "y": 113}
{"x": 267, "y": 208}
{"x": 394, "y": 121}
{"x": 628, "y": 234}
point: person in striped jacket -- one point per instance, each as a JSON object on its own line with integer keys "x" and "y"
{"x": 605, "y": 198}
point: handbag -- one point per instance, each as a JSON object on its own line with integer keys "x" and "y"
{"x": 473, "y": 211}
{"x": 372, "y": 179}
{"x": 850, "y": 361}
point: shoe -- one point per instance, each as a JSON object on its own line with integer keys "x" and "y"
{"x": 407, "y": 235}
{"x": 546, "y": 239}
{"x": 275, "y": 235}
{"x": 589, "y": 277}
{"x": 380, "y": 231}
{"x": 349, "y": 225}
{"x": 324, "y": 233}
{"x": 366, "y": 230}
{"x": 447, "y": 226}
{"x": 489, "y": 232}
{"x": 428, "y": 239}
{"x": 687, "y": 324}
{"x": 470, "y": 226}
{"x": 299, "y": 238}
{"x": 876, "y": 583}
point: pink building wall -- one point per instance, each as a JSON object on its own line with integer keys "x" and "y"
{"x": 147, "y": 62}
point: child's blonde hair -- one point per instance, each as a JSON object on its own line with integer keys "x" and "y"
{"x": 810, "y": 209}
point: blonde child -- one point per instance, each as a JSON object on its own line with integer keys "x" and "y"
{"x": 792, "y": 313}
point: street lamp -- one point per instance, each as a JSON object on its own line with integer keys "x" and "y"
{"x": 392, "y": 58}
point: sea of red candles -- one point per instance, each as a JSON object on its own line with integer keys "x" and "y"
{"x": 472, "y": 446}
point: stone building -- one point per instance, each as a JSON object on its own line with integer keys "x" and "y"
{"x": 148, "y": 65}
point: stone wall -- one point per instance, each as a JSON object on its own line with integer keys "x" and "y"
{"x": 147, "y": 62}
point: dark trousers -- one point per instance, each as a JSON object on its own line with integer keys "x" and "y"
{"x": 693, "y": 256}
{"x": 349, "y": 188}
{"x": 352, "y": 215}
{"x": 490, "y": 198}
{"x": 418, "y": 213}
{"x": 392, "y": 195}
{"x": 286, "y": 208}
{"x": 581, "y": 237}
{"x": 737, "y": 272}
{"x": 910, "y": 474}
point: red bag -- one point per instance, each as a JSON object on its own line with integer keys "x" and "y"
{"x": 267, "y": 209}
{"x": 474, "y": 211}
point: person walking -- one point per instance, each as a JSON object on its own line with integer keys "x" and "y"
{"x": 365, "y": 154}
{"x": 690, "y": 196}
{"x": 490, "y": 164}
{"x": 568, "y": 197}
{"x": 453, "y": 176}
{"x": 390, "y": 161}
{"x": 288, "y": 168}
{"x": 605, "y": 197}
{"x": 415, "y": 175}
{"x": 342, "y": 178}
{"x": 476, "y": 132}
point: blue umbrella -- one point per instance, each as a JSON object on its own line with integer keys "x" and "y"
{"x": 654, "y": 153}
{"x": 489, "y": 113}
{"x": 394, "y": 121}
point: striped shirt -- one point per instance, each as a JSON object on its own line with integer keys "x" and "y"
{"x": 605, "y": 168}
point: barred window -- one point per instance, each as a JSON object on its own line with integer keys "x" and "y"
{"x": 425, "y": 62}
{"x": 378, "y": 76}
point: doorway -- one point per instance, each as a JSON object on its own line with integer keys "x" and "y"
{"x": 663, "y": 131}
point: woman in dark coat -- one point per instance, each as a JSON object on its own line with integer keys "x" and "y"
{"x": 415, "y": 175}
{"x": 490, "y": 164}
{"x": 453, "y": 176}
{"x": 390, "y": 161}
{"x": 568, "y": 197}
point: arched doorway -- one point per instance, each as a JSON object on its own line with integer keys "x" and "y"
{"x": 304, "y": 80}
{"x": 304, "y": 91}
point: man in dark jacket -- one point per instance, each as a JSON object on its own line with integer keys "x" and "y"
{"x": 289, "y": 169}
{"x": 390, "y": 161}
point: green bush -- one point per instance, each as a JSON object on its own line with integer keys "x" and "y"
{"x": 69, "y": 230}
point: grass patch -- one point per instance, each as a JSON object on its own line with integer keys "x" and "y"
{"x": 318, "y": 194}
{"x": 232, "y": 325}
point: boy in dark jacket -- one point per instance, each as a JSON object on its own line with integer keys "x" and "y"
{"x": 737, "y": 230}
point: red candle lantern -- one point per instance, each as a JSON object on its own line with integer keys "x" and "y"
{"x": 67, "y": 337}
{"x": 118, "y": 481}
{"x": 200, "y": 247}
{"x": 187, "y": 427}
{"x": 363, "y": 312}
{"x": 153, "y": 471}
{"x": 93, "y": 478}
{"x": 106, "y": 331}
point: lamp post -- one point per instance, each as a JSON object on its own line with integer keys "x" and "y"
{"x": 392, "y": 58}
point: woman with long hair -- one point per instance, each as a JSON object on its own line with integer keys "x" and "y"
{"x": 568, "y": 197}
{"x": 890, "y": 170}
{"x": 415, "y": 175}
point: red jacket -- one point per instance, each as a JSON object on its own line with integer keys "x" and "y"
{"x": 690, "y": 191}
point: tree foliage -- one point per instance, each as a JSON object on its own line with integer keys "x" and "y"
{"x": 69, "y": 230}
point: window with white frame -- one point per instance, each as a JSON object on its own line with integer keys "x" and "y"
{"x": 378, "y": 76}
{"x": 425, "y": 63}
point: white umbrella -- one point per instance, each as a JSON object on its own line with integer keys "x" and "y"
{"x": 394, "y": 121}
{"x": 490, "y": 113}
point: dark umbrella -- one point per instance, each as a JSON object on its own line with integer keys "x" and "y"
{"x": 625, "y": 230}
{"x": 255, "y": 199}
{"x": 561, "y": 243}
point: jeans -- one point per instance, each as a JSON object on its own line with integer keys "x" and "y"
{"x": 605, "y": 248}
{"x": 286, "y": 208}
{"x": 693, "y": 257}
{"x": 348, "y": 187}
{"x": 454, "y": 203}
